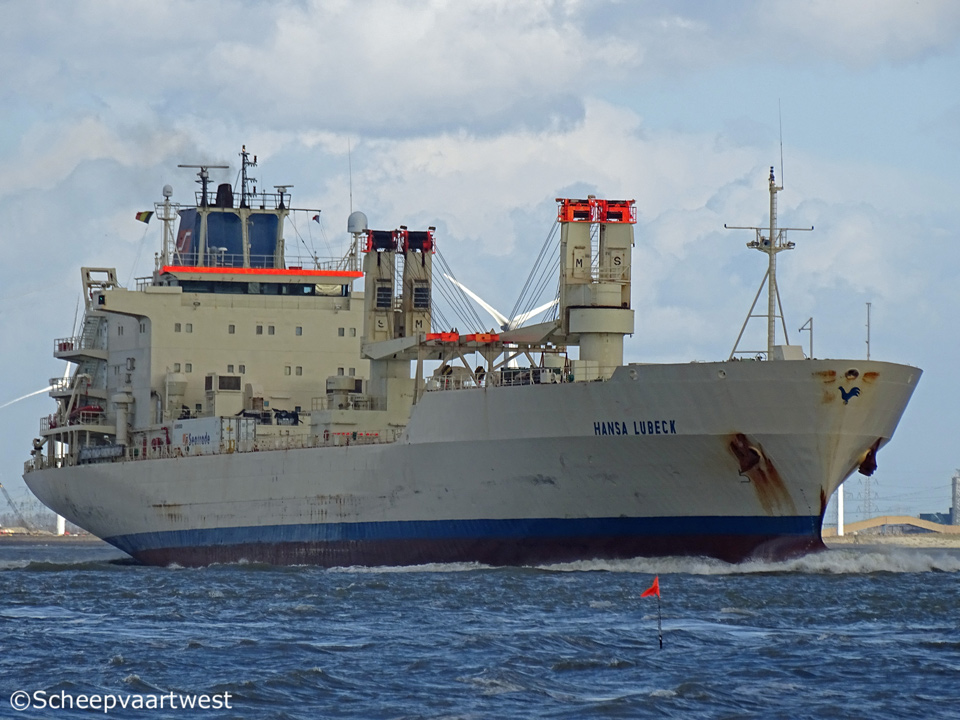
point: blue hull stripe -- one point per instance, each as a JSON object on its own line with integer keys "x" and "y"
{"x": 432, "y": 530}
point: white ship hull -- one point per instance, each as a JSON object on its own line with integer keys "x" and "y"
{"x": 730, "y": 460}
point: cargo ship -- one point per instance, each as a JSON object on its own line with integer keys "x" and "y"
{"x": 235, "y": 406}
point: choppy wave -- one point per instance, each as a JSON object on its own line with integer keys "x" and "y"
{"x": 59, "y": 566}
{"x": 808, "y": 638}
{"x": 830, "y": 562}
{"x": 881, "y": 559}
{"x": 425, "y": 568}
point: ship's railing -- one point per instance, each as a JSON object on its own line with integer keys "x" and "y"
{"x": 353, "y": 403}
{"x": 293, "y": 263}
{"x": 508, "y": 377}
{"x": 612, "y": 274}
{"x": 82, "y": 417}
{"x": 63, "y": 384}
{"x": 255, "y": 200}
{"x": 516, "y": 377}
{"x": 137, "y": 451}
{"x": 75, "y": 342}
{"x": 293, "y": 441}
{"x": 42, "y": 462}
{"x": 236, "y": 260}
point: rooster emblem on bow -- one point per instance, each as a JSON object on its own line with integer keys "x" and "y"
{"x": 846, "y": 395}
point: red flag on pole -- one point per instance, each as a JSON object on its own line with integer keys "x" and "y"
{"x": 653, "y": 589}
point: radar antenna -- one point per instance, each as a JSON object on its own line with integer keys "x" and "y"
{"x": 204, "y": 178}
{"x": 170, "y": 212}
{"x": 282, "y": 190}
{"x": 772, "y": 244}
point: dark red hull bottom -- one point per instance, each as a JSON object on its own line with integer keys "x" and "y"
{"x": 486, "y": 551}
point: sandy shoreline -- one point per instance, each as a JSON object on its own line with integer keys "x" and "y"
{"x": 24, "y": 538}
{"x": 919, "y": 540}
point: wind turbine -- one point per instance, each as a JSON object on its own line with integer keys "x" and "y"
{"x": 503, "y": 322}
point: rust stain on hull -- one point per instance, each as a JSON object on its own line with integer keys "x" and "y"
{"x": 868, "y": 465}
{"x": 828, "y": 376}
{"x": 759, "y": 469}
{"x": 869, "y": 377}
{"x": 172, "y": 511}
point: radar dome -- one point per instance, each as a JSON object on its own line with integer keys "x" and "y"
{"x": 357, "y": 222}
{"x": 167, "y": 191}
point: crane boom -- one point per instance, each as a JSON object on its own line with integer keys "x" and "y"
{"x": 16, "y": 510}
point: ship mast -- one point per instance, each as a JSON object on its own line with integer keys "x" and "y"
{"x": 167, "y": 212}
{"x": 772, "y": 244}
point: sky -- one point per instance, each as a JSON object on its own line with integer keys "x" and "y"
{"x": 473, "y": 117}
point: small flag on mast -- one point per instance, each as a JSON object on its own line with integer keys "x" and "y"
{"x": 653, "y": 589}
{"x": 316, "y": 218}
{"x": 145, "y": 216}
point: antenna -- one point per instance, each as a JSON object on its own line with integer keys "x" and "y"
{"x": 350, "y": 173}
{"x": 244, "y": 164}
{"x": 780, "y": 118}
{"x": 868, "y": 330}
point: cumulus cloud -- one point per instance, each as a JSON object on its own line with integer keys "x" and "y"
{"x": 862, "y": 32}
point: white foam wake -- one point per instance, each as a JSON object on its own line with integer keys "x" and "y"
{"x": 830, "y": 562}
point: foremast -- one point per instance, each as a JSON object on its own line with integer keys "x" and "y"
{"x": 772, "y": 244}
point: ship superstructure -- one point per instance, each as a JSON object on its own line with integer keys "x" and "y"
{"x": 236, "y": 406}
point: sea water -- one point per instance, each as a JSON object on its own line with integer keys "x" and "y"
{"x": 859, "y": 633}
